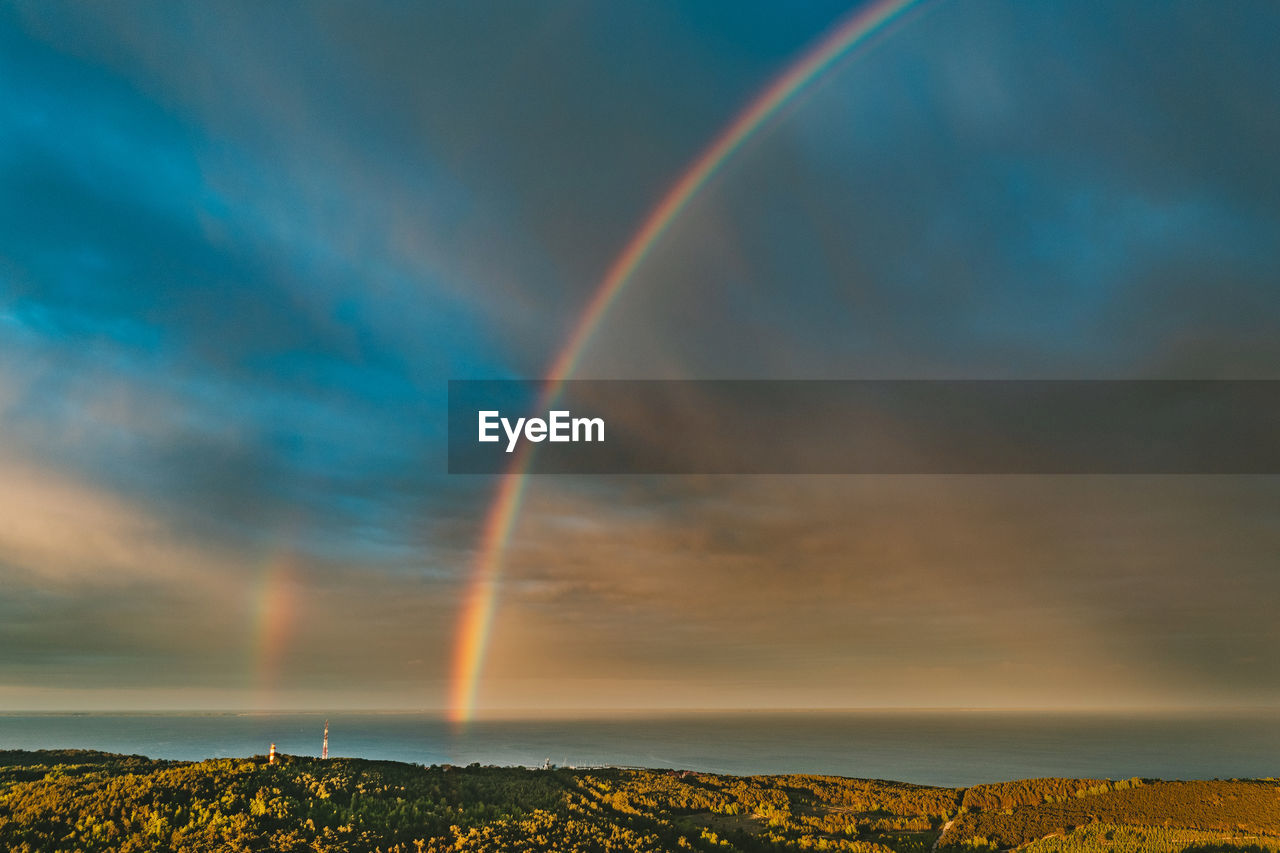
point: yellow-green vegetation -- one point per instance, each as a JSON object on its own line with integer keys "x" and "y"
{"x": 90, "y": 801}
{"x": 1222, "y": 807}
{"x": 1150, "y": 839}
{"x": 1031, "y": 792}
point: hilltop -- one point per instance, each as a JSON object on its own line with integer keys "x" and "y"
{"x": 73, "y": 800}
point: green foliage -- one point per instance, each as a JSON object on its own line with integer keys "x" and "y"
{"x": 1251, "y": 807}
{"x": 85, "y": 802}
{"x": 1030, "y": 792}
{"x": 1150, "y": 839}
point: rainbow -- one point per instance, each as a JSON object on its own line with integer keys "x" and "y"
{"x": 481, "y": 595}
{"x": 273, "y": 602}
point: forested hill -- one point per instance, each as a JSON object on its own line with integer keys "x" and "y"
{"x": 71, "y": 800}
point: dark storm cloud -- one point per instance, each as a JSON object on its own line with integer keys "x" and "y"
{"x": 243, "y": 248}
{"x": 1035, "y": 194}
{"x": 1004, "y": 190}
{"x": 241, "y": 252}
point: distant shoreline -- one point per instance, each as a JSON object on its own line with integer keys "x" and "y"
{"x": 935, "y": 748}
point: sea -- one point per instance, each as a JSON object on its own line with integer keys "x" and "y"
{"x": 951, "y": 748}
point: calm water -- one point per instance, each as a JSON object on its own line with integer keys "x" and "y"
{"x": 942, "y": 748}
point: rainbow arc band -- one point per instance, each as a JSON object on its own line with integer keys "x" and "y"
{"x": 480, "y": 599}
{"x": 274, "y": 600}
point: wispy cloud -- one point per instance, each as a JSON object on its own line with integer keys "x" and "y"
{"x": 242, "y": 250}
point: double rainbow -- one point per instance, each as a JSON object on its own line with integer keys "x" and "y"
{"x": 481, "y": 596}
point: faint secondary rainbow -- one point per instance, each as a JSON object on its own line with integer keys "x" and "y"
{"x": 481, "y": 596}
{"x": 273, "y": 602}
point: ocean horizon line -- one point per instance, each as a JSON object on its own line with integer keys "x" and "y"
{"x": 532, "y": 714}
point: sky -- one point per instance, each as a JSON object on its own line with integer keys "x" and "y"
{"x": 243, "y": 248}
